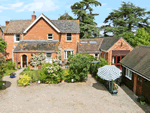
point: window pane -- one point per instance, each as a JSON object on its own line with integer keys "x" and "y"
{"x": 49, "y": 55}
{"x": 114, "y": 59}
{"x": 17, "y": 35}
{"x": 17, "y": 39}
{"x": 68, "y": 34}
{"x": 49, "y": 34}
{"x": 118, "y": 59}
{"x": 68, "y": 38}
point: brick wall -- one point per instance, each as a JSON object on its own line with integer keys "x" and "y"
{"x": 9, "y": 38}
{"x": 69, "y": 45}
{"x": 40, "y": 30}
{"x": 106, "y": 55}
{"x": 118, "y": 46}
{"x": 1, "y": 33}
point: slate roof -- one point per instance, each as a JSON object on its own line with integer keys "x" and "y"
{"x": 89, "y": 48}
{"x": 37, "y": 46}
{"x": 3, "y": 28}
{"x": 65, "y": 26}
{"x": 17, "y": 26}
{"x": 138, "y": 60}
{"x": 108, "y": 42}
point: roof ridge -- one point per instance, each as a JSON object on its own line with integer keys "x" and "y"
{"x": 20, "y": 20}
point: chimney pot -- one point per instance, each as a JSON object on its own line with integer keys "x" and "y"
{"x": 7, "y": 22}
{"x": 33, "y": 16}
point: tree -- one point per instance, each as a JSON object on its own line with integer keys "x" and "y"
{"x": 84, "y": 12}
{"x": 65, "y": 16}
{"x": 3, "y": 45}
{"x": 127, "y": 18}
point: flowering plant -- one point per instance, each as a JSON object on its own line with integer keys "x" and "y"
{"x": 37, "y": 59}
{"x": 51, "y": 73}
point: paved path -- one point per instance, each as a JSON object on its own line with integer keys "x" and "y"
{"x": 87, "y": 97}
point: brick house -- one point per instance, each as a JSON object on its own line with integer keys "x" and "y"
{"x": 25, "y": 37}
{"x": 2, "y": 28}
{"x": 112, "y": 49}
{"x": 136, "y": 71}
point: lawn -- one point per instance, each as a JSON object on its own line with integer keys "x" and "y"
{"x": 8, "y": 72}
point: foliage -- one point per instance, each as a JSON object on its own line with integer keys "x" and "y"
{"x": 94, "y": 69}
{"x": 65, "y": 16}
{"x": 79, "y": 67}
{"x": 91, "y": 57}
{"x": 65, "y": 74}
{"x": 24, "y": 80}
{"x": 3, "y": 45}
{"x": 142, "y": 99}
{"x": 10, "y": 65}
{"x": 59, "y": 52}
{"x": 37, "y": 59}
{"x": 2, "y": 66}
{"x": 51, "y": 73}
{"x": 18, "y": 66}
{"x": 84, "y": 12}
{"x": 126, "y": 19}
{"x": 1, "y": 84}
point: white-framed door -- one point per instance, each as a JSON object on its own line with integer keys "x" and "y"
{"x": 48, "y": 57}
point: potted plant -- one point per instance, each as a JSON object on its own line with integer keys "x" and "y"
{"x": 18, "y": 66}
{"x": 18, "y": 62}
{"x": 142, "y": 100}
{"x": 12, "y": 75}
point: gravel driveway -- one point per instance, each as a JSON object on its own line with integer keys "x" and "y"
{"x": 89, "y": 97}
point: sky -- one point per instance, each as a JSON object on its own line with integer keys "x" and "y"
{"x": 53, "y": 9}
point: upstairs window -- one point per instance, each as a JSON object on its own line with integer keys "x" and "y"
{"x": 50, "y": 36}
{"x": 16, "y": 37}
{"x": 69, "y": 37}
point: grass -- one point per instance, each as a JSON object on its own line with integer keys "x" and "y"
{"x": 1, "y": 83}
{"x": 8, "y": 72}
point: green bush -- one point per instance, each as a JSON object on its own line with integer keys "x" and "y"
{"x": 51, "y": 73}
{"x": 24, "y": 80}
{"x": 79, "y": 68}
{"x": 91, "y": 57}
{"x": 2, "y": 66}
{"x": 65, "y": 74}
{"x": 10, "y": 65}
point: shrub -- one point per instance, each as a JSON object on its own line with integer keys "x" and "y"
{"x": 51, "y": 73}
{"x": 10, "y": 65}
{"x": 79, "y": 67}
{"x": 91, "y": 57}
{"x": 65, "y": 74}
{"x": 2, "y": 66}
{"x": 24, "y": 80}
{"x": 142, "y": 99}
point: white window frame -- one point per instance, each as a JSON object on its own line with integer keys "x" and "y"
{"x": 65, "y": 54}
{"x": 49, "y": 60}
{"x": 49, "y": 36}
{"x": 128, "y": 72}
{"x": 15, "y": 38}
{"x": 71, "y": 37}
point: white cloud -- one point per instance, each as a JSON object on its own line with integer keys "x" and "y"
{"x": 16, "y": 5}
{"x": 39, "y": 5}
{"x": 0, "y": 11}
{"x": 103, "y": 4}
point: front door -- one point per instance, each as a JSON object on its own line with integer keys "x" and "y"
{"x": 49, "y": 57}
{"x": 139, "y": 86}
{"x": 24, "y": 60}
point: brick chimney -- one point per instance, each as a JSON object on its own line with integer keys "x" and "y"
{"x": 33, "y": 16}
{"x": 7, "y": 22}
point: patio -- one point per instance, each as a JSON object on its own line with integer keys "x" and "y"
{"x": 89, "y": 97}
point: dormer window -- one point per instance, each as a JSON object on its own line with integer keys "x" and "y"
{"x": 16, "y": 37}
{"x": 69, "y": 37}
{"x": 49, "y": 36}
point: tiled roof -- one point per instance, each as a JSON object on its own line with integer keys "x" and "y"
{"x": 3, "y": 28}
{"x": 108, "y": 42}
{"x": 67, "y": 26}
{"x": 17, "y": 26}
{"x": 138, "y": 60}
{"x": 89, "y": 47}
{"x": 37, "y": 46}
